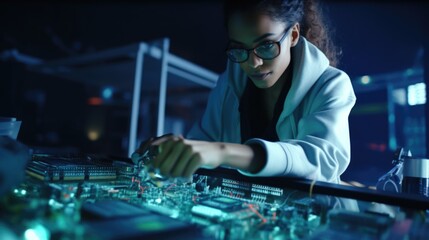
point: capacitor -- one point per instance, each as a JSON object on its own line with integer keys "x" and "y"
{"x": 416, "y": 176}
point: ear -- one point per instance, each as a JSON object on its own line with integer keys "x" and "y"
{"x": 295, "y": 35}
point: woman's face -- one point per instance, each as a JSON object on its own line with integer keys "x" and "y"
{"x": 252, "y": 30}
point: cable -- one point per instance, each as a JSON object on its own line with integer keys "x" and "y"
{"x": 311, "y": 187}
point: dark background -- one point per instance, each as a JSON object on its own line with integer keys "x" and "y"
{"x": 375, "y": 38}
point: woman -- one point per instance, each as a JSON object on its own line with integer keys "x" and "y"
{"x": 278, "y": 109}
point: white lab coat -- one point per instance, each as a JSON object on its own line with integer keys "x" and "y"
{"x": 313, "y": 127}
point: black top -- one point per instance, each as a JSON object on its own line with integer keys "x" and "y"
{"x": 253, "y": 123}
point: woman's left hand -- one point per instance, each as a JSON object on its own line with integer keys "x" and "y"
{"x": 179, "y": 157}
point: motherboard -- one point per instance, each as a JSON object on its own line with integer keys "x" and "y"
{"x": 98, "y": 197}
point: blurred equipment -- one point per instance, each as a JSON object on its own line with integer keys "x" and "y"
{"x": 416, "y": 176}
{"x": 135, "y": 91}
{"x": 395, "y": 104}
{"x": 69, "y": 168}
{"x": 409, "y": 175}
{"x": 9, "y": 127}
{"x": 391, "y": 181}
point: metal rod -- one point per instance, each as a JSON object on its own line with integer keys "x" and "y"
{"x": 163, "y": 88}
{"x": 426, "y": 80}
{"x": 136, "y": 98}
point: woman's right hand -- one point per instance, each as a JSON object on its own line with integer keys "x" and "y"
{"x": 176, "y": 156}
{"x": 145, "y": 145}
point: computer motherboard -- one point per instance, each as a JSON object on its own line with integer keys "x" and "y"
{"x": 93, "y": 197}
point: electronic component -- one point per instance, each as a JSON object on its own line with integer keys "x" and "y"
{"x": 304, "y": 207}
{"x": 370, "y": 225}
{"x": 222, "y": 209}
{"x": 149, "y": 226}
{"x": 224, "y": 204}
{"x": 71, "y": 168}
{"x": 107, "y": 209}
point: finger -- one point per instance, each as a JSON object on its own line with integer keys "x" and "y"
{"x": 163, "y": 138}
{"x": 137, "y": 155}
{"x": 182, "y": 162}
{"x": 144, "y": 146}
{"x": 193, "y": 165}
{"x": 164, "y": 150}
{"x": 173, "y": 158}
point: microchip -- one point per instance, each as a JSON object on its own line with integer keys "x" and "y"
{"x": 223, "y": 203}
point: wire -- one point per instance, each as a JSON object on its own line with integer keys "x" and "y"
{"x": 274, "y": 216}
{"x": 135, "y": 180}
{"x": 169, "y": 187}
{"x": 311, "y": 188}
{"x": 264, "y": 220}
{"x": 287, "y": 198}
{"x": 194, "y": 199}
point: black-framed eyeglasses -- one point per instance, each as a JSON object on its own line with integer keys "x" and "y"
{"x": 266, "y": 51}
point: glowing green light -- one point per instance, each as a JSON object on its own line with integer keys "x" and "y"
{"x": 365, "y": 80}
{"x": 30, "y": 234}
{"x": 23, "y": 192}
{"x": 37, "y": 232}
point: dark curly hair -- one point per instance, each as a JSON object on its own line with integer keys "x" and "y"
{"x": 305, "y": 12}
